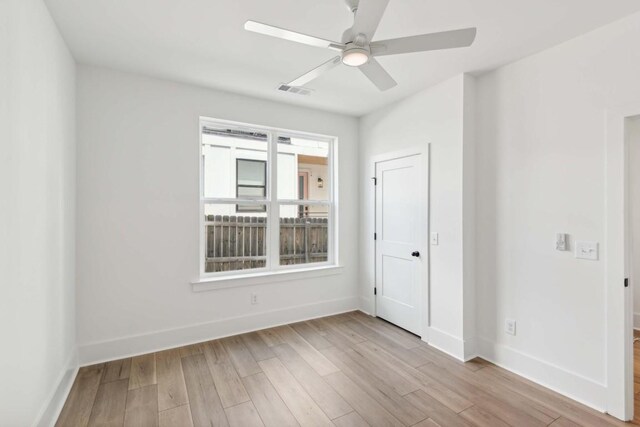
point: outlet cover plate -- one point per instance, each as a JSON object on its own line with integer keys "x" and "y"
{"x": 510, "y": 326}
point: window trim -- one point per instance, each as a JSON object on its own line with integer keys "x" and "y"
{"x": 272, "y": 267}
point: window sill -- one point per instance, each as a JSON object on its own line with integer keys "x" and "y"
{"x": 214, "y": 283}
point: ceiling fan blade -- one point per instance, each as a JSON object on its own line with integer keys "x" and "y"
{"x": 316, "y": 72}
{"x": 424, "y": 42}
{"x": 378, "y": 75}
{"x": 368, "y": 16}
{"x": 270, "y": 30}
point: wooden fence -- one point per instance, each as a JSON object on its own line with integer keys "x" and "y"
{"x": 239, "y": 242}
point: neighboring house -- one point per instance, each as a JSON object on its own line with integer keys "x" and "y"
{"x": 236, "y": 167}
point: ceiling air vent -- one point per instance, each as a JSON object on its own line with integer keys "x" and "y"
{"x": 299, "y": 90}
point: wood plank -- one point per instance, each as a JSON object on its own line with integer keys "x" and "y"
{"x": 311, "y": 335}
{"x": 256, "y": 345}
{"x": 445, "y": 395}
{"x": 179, "y": 416}
{"x": 435, "y": 410}
{"x": 442, "y": 359}
{"x": 394, "y": 333}
{"x": 319, "y": 325}
{"x": 365, "y": 405}
{"x": 313, "y": 357}
{"x": 494, "y": 389}
{"x": 224, "y": 375}
{"x": 336, "y": 338}
{"x": 244, "y": 415}
{"x": 109, "y": 406}
{"x": 352, "y": 419}
{"x": 143, "y": 371}
{"x": 482, "y": 418}
{"x": 427, "y": 423}
{"x": 386, "y": 396}
{"x": 142, "y": 407}
{"x": 191, "y": 349}
{"x": 500, "y": 408}
{"x": 326, "y": 397}
{"x": 272, "y": 409}
{"x": 411, "y": 358}
{"x": 346, "y": 332}
{"x": 563, "y": 422}
{"x": 172, "y": 391}
{"x": 241, "y": 357}
{"x": 205, "y": 405}
{"x": 270, "y": 337}
{"x": 117, "y": 370}
{"x": 77, "y": 408}
{"x": 302, "y": 406}
{"x": 395, "y": 378}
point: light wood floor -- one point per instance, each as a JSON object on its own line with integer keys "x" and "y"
{"x": 345, "y": 370}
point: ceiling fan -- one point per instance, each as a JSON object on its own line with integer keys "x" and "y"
{"x": 357, "y": 48}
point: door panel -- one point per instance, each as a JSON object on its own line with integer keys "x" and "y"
{"x": 400, "y": 228}
{"x": 397, "y": 280}
{"x": 397, "y": 226}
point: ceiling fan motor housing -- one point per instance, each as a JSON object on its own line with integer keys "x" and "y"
{"x": 354, "y": 55}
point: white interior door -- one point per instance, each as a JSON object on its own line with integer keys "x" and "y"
{"x": 401, "y": 217}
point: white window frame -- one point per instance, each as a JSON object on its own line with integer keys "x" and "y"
{"x": 272, "y": 267}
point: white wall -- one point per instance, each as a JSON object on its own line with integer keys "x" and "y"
{"x": 37, "y": 186}
{"x": 138, "y": 217}
{"x": 633, "y": 145}
{"x": 436, "y": 117}
{"x": 540, "y": 171}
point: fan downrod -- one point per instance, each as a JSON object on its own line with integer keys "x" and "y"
{"x": 352, "y": 5}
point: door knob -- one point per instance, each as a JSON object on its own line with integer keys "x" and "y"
{"x": 415, "y": 254}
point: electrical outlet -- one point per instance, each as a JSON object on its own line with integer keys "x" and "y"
{"x": 254, "y": 299}
{"x": 510, "y": 326}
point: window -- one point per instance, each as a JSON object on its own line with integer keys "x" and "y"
{"x": 251, "y": 182}
{"x": 266, "y": 198}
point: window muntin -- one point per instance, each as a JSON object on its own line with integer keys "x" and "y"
{"x": 278, "y": 212}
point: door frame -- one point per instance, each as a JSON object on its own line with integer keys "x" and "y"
{"x": 619, "y": 299}
{"x": 422, "y": 150}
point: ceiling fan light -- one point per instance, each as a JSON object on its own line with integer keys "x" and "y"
{"x": 355, "y": 57}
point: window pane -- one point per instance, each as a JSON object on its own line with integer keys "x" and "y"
{"x": 304, "y": 234}
{"x": 250, "y": 192}
{"x": 252, "y": 172}
{"x": 303, "y": 169}
{"x": 229, "y": 154}
{"x": 235, "y": 241}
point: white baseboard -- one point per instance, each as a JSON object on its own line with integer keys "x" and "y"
{"x": 53, "y": 406}
{"x": 365, "y": 306}
{"x": 570, "y": 384}
{"x": 133, "y": 345}
{"x": 636, "y": 320}
{"x": 450, "y": 344}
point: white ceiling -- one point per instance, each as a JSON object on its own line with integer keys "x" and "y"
{"x": 203, "y": 41}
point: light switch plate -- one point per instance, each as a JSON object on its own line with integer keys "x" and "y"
{"x": 434, "y": 239}
{"x": 587, "y": 250}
